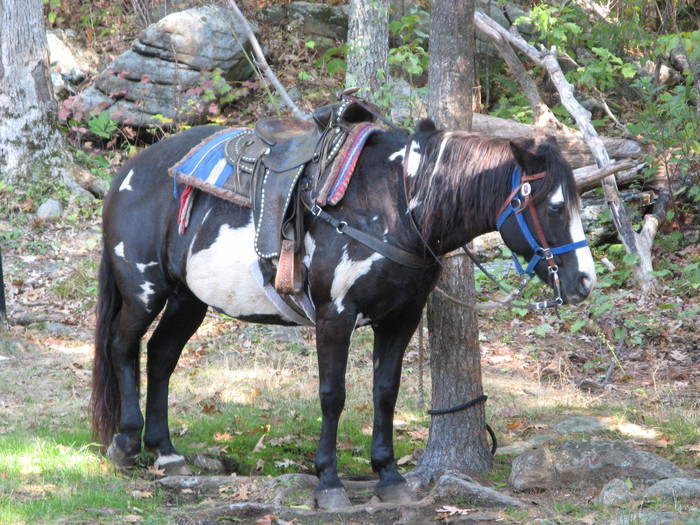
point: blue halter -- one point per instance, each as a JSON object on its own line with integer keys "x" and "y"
{"x": 519, "y": 201}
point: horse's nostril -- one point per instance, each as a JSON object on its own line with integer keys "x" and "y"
{"x": 585, "y": 284}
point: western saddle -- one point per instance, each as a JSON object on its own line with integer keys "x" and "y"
{"x": 277, "y": 161}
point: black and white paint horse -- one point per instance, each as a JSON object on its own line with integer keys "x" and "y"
{"x": 456, "y": 184}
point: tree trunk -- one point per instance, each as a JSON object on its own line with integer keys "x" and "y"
{"x": 457, "y": 441}
{"x": 368, "y": 46}
{"x": 31, "y": 148}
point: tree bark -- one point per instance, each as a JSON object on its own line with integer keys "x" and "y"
{"x": 368, "y": 46}
{"x": 31, "y": 147}
{"x": 457, "y": 441}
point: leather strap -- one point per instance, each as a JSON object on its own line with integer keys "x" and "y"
{"x": 288, "y": 277}
{"x": 389, "y": 251}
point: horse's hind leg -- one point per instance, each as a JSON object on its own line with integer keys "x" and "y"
{"x": 131, "y": 325}
{"x": 181, "y": 318}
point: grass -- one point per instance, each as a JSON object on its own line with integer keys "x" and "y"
{"x": 47, "y": 477}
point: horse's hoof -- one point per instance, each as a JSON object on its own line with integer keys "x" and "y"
{"x": 396, "y": 493}
{"x": 117, "y": 456}
{"x": 173, "y": 465}
{"x": 335, "y": 498}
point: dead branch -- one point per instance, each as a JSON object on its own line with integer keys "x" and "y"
{"x": 589, "y": 177}
{"x": 262, "y": 63}
{"x": 542, "y": 115}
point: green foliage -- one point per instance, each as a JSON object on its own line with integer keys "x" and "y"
{"x": 333, "y": 60}
{"x": 412, "y": 31}
{"x": 554, "y": 25}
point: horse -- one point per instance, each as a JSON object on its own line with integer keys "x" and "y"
{"x": 423, "y": 194}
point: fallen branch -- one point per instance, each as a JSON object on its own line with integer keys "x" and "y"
{"x": 589, "y": 177}
{"x": 572, "y": 144}
{"x": 262, "y": 63}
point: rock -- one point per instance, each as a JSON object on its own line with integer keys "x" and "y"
{"x": 514, "y": 449}
{"x": 71, "y": 63}
{"x": 317, "y": 19}
{"x": 208, "y": 463}
{"x": 579, "y": 424}
{"x": 614, "y": 492}
{"x": 576, "y": 464}
{"x": 51, "y": 209}
{"x": 649, "y": 518}
{"x": 160, "y": 72}
{"x": 454, "y": 485}
{"x": 674, "y": 488}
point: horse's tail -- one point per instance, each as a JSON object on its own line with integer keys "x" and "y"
{"x": 105, "y": 400}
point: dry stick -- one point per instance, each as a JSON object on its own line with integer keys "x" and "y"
{"x": 263, "y": 63}
{"x": 588, "y": 180}
{"x": 633, "y": 243}
{"x": 542, "y": 115}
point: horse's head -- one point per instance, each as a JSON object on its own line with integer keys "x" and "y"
{"x": 540, "y": 220}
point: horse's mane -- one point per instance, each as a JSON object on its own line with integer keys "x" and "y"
{"x": 464, "y": 175}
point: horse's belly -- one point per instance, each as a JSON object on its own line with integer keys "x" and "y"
{"x": 220, "y": 274}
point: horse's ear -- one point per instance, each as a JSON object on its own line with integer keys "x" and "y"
{"x": 425, "y": 126}
{"x": 523, "y": 156}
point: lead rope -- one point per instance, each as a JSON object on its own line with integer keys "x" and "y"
{"x": 420, "y": 400}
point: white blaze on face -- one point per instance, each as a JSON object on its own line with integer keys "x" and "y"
{"x": 219, "y": 275}
{"x": 584, "y": 257}
{"x": 346, "y": 274}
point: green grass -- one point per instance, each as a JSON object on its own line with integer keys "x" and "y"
{"x": 44, "y": 478}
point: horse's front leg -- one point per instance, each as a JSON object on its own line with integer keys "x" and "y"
{"x": 390, "y": 342}
{"x": 332, "y": 345}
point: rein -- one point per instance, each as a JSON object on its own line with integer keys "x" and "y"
{"x": 3, "y": 306}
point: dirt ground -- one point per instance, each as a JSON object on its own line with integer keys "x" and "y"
{"x": 45, "y": 361}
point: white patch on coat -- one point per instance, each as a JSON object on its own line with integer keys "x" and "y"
{"x": 119, "y": 250}
{"x": 401, "y": 153}
{"x": 415, "y": 202}
{"x": 220, "y": 277}
{"x": 143, "y": 267}
{"x": 126, "y": 183}
{"x": 584, "y": 257}
{"x": 309, "y": 249}
{"x": 146, "y": 293}
{"x": 413, "y": 158}
{"x": 346, "y": 274}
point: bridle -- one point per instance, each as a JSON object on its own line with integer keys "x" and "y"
{"x": 516, "y": 204}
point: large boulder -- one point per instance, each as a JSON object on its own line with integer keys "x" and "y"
{"x": 591, "y": 463}
{"x": 162, "y": 71}
{"x": 71, "y": 63}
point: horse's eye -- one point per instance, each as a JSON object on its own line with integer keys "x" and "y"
{"x": 556, "y": 208}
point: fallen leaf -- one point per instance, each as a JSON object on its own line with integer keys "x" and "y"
{"x": 156, "y": 471}
{"x": 406, "y": 459}
{"x": 266, "y": 520}
{"x": 138, "y": 494}
{"x": 260, "y": 446}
